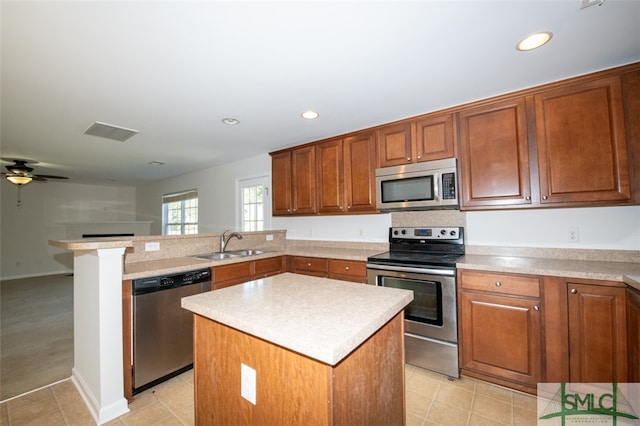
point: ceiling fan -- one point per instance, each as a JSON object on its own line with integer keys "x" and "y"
{"x": 21, "y": 174}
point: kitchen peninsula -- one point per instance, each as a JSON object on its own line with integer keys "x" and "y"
{"x": 299, "y": 349}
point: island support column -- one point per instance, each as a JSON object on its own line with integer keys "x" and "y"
{"x": 97, "y": 311}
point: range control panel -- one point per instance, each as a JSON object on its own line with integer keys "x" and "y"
{"x": 408, "y": 233}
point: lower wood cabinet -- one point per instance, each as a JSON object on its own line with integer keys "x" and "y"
{"x": 366, "y": 387}
{"x": 633, "y": 335}
{"x": 348, "y": 270}
{"x": 316, "y": 266}
{"x": 338, "y": 269}
{"x": 585, "y": 331}
{"x": 597, "y": 333}
{"x": 500, "y": 328}
{"x": 240, "y": 272}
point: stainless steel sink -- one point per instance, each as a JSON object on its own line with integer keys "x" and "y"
{"x": 217, "y": 256}
{"x": 246, "y": 252}
{"x": 229, "y": 254}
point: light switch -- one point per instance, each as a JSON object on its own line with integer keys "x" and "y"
{"x": 248, "y": 383}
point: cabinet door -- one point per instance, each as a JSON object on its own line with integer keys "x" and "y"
{"x": 633, "y": 335}
{"x": 435, "y": 137}
{"x": 582, "y": 149}
{"x": 303, "y": 180}
{"x": 281, "y": 182}
{"x": 394, "y": 145}
{"x": 494, "y": 155}
{"x": 330, "y": 176}
{"x": 597, "y": 333}
{"x": 231, "y": 274}
{"x": 360, "y": 173}
{"x": 500, "y": 337}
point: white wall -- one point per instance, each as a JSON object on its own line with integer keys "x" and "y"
{"x": 46, "y": 206}
{"x": 216, "y": 193}
{"x": 614, "y": 228}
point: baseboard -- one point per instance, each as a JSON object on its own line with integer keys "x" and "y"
{"x": 101, "y": 415}
{"x": 40, "y": 274}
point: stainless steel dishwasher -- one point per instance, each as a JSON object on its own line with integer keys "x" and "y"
{"x": 162, "y": 330}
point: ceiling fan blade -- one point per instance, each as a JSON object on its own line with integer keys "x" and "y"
{"x": 39, "y": 178}
{"x": 49, "y": 177}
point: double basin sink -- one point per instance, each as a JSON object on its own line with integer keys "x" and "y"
{"x": 229, "y": 254}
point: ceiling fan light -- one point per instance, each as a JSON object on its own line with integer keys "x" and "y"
{"x": 19, "y": 180}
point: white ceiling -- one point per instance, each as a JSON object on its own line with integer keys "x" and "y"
{"x": 173, "y": 70}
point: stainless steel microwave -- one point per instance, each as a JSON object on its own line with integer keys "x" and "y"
{"x": 421, "y": 186}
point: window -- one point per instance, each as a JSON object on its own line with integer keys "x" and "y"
{"x": 254, "y": 205}
{"x": 180, "y": 213}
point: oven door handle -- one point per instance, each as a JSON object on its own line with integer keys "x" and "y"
{"x": 408, "y": 269}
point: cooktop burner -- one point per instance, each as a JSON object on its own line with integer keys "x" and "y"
{"x": 422, "y": 247}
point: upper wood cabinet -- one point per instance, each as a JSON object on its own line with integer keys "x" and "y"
{"x": 494, "y": 155}
{"x": 582, "y": 148}
{"x": 294, "y": 181}
{"x": 394, "y": 145}
{"x": 336, "y": 176}
{"x": 556, "y": 147}
{"x": 428, "y": 137}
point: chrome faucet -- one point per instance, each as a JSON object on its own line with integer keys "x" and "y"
{"x": 224, "y": 239}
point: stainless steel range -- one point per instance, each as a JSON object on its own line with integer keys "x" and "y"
{"x": 424, "y": 260}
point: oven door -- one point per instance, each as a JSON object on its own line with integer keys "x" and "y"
{"x": 432, "y": 313}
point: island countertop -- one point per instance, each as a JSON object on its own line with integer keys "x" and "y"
{"x": 321, "y": 318}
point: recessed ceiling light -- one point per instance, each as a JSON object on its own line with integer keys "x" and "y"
{"x": 310, "y": 115}
{"x": 231, "y": 121}
{"x": 156, "y": 163}
{"x": 534, "y": 41}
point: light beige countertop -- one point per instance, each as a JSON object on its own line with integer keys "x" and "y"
{"x": 321, "y": 318}
{"x": 137, "y": 270}
{"x": 627, "y": 272}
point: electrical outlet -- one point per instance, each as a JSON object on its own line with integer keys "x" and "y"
{"x": 248, "y": 383}
{"x": 152, "y": 246}
{"x": 573, "y": 235}
{"x": 269, "y": 237}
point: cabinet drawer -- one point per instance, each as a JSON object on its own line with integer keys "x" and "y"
{"x": 520, "y": 285}
{"x": 268, "y": 266}
{"x": 352, "y": 268}
{"x": 315, "y": 265}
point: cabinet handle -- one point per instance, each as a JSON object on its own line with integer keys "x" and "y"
{"x": 498, "y": 283}
{"x": 308, "y": 264}
{"x": 346, "y": 268}
{"x": 544, "y": 197}
{"x": 348, "y": 207}
{"x": 536, "y": 308}
{"x": 419, "y": 157}
{"x": 408, "y": 158}
{"x": 527, "y": 198}
{"x": 574, "y": 291}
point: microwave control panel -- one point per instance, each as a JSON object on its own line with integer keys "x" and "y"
{"x": 448, "y": 186}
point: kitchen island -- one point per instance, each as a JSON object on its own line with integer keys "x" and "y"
{"x": 294, "y": 349}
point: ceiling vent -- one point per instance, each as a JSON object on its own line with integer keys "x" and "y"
{"x": 109, "y": 131}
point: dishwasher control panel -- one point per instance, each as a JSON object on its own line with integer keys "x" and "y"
{"x": 147, "y": 285}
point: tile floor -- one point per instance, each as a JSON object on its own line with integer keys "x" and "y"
{"x": 431, "y": 399}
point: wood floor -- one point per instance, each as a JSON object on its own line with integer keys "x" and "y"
{"x": 36, "y": 333}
